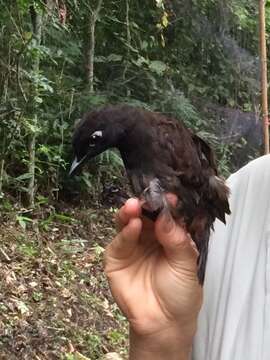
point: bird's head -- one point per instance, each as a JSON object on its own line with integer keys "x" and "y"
{"x": 94, "y": 134}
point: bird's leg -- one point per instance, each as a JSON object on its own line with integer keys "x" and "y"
{"x": 154, "y": 200}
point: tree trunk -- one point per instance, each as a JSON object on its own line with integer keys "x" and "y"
{"x": 264, "y": 83}
{"x": 37, "y": 33}
{"x": 91, "y": 45}
{"x": 91, "y": 56}
{"x": 2, "y": 167}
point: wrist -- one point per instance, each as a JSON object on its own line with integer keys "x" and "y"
{"x": 170, "y": 344}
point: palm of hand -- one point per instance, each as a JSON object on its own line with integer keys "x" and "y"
{"x": 152, "y": 286}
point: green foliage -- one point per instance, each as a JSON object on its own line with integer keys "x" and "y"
{"x": 95, "y": 344}
{"x": 161, "y": 55}
{"x": 23, "y": 221}
{"x": 28, "y": 249}
{"x": 116, "y": 338}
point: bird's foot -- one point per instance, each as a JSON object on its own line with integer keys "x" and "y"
{"x": 154, "y": 200}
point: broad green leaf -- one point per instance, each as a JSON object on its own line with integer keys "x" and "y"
{"x": 157, "y": 66}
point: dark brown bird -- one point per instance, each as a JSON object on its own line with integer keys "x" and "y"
{"x": 160, "y": 155}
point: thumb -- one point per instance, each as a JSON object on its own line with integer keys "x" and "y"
{"x": 175, "y": 240}
{"x": 123, "y": 245}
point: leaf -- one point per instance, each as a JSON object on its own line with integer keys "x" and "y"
{"x": 27, "y": 35}
{"x": 114, "y": 58}
{"x": 38, "y": 99}
{"x": 24, "y": 176}
{"x": 162, "y": 40}
{"x": 144, "y": 45}
{"x": 79, "y": 356}
{"x": 160, "y": 4}
{"x": 22, "y": 307}
{"x": 99, "y": 250}
{"x": 140, "y": 61}
{"x": 63, "y": 218}
{"x": 23, "y": 220}
{"x": 110, "y": 157}
{"x": 164, "y": 20}
{"x": 158, "y": 67}
{"x": 100, "y": 59}
{"x": 87, "y": 182}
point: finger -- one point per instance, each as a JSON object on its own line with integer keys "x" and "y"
{"x": 172, "y": 199}
{"x": 125, "y": 241}
{"x": 131, "y": 209}
{"x": 175, "y": 240}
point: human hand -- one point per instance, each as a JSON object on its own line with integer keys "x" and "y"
{"x": 152, "y": 271}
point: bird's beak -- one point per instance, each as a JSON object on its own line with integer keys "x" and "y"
{"x": 76, "y": 164}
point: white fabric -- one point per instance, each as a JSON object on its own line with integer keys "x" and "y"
{"x": 234, "y": 323}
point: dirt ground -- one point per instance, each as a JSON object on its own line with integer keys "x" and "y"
{"x": 54, "y": 297}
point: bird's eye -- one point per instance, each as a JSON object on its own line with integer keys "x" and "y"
{"x": 96, "y": 134}
{"x": 94, "y": 137}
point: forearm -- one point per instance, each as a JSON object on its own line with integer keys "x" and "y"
{"x": 165, "y": 346}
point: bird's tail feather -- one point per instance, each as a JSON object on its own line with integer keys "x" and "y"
{"x": 202, "y": 259}
{"x": 200, "y": 233}
{"x": 220, "y": 193}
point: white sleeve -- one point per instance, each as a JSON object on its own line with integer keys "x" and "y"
{"x": 234, "y": 323}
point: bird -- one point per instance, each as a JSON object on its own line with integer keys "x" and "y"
{"x": 161, "y": 155}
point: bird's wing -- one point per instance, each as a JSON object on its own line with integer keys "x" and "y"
{"x": 193, "y": 164}
{"x": 205, "y": 152}
{"x": 176, "y": 163}
{"x": 218, "y": 191}
{"x": 176, "y": 149}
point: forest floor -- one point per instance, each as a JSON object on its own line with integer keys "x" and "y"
{"x": 54, "y": 298}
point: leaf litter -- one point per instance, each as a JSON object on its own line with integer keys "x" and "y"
{"x": 55, "y": 301}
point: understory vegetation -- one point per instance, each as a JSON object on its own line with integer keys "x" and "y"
{"x": 196, "y": 60}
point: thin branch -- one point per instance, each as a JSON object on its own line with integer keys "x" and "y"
{"x": 90, "y": 52}
{"x": 19, "y": 82}
{"x": 14, "y": 23}
{"x": 128, "y": 42}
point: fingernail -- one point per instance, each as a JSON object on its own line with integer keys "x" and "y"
{"x": 168, "y": 223}
{"x": 131, "y": 201}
